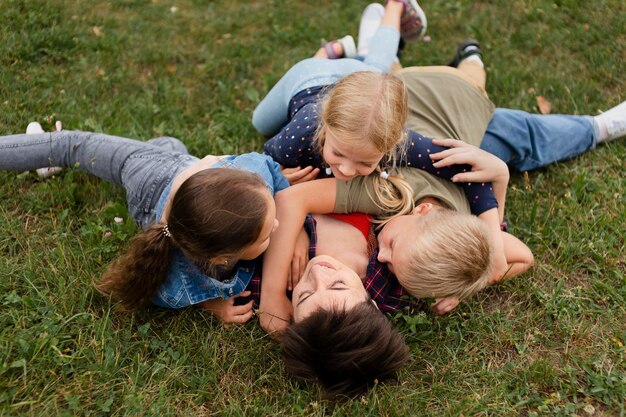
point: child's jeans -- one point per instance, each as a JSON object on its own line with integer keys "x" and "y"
{"x": 271, "y": 114}
{"x": 528, "y": 141}
{"x": 144, "y": 169}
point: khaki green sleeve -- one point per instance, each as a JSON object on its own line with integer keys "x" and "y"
{"x": 358, "y": 194}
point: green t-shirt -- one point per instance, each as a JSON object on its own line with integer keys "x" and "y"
{"x": 441, "y": 105}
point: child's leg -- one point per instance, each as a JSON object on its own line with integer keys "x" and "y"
{"x": 468, "y": 59}
{"x": 169, "y": 143}
{"x": 271, "y": 114}
{"x": 384, "y": 44}
{"x": 142, "y": 169}
{"x": 369, "y": 24}
{"x": 530, "y": 141}
{"x": 474, "y": 70}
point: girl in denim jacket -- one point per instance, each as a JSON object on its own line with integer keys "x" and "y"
{"x": 203, "y": 220}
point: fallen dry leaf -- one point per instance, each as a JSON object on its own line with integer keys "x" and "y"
{"x": 544, "y": 105}
{"x": 97, "y": 31}
{"x": 171, "y": 68}
{"x": 526, "y": 180}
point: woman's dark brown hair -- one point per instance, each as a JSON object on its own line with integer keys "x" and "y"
{"x": 346, "y": 351}
{"x": 215, "y": 212}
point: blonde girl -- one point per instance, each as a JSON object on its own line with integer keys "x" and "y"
{"x": 345, "y": 117}
{"x": 203, "y": 220}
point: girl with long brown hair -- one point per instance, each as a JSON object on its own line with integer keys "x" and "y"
{"x": 203, "y": 220}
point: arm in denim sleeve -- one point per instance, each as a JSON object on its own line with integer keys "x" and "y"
{"x": 280, "y": 182}
{"x": 293, "y": 146}
{"x": 417, "y": 155}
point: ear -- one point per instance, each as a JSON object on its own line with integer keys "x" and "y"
{"x": 422, "y": 209}
{"x": 219, "y": 261}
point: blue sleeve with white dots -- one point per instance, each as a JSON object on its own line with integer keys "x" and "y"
{"x": 417, "y": 155}
{"x": 294, "y": 145}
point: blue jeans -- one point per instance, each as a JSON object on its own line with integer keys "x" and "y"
{"x": 272, "y": 112}
{"x": 528, "y": 141}
{"x": 144, "y": 169}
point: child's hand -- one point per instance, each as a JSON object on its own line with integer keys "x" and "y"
{"x": 485, "y": 166}
{"x": 300, "y": 259}
{"x": 443, "y": 306}
{"x": 275, "y": 315}
{"x": 297, "y": 175}
{"x": 227, "y": 311}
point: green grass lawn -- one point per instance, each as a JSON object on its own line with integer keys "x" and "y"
{"x": 550, "y": 342}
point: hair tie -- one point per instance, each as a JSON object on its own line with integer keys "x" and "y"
{"x": 166, "y": 231}
{"x": 329, "y": 171}
{"x": 384, "y": 175}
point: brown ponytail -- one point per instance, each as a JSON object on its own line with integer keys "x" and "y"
{"x": 135, "y": 275}
{"x": 216, "y": 212}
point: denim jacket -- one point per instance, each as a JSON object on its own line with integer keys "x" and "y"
{"x": 185, "y": 284}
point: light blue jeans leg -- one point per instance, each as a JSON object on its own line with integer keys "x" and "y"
{"x": 528, "y": 141}
{"x": 169, "y": 143}
{"x": 271, "y": 114}
{"x": 143, "y": 169}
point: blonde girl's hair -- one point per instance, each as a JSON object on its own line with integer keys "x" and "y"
{"x": 451, "y": 256}
{"x": 365, "y": 108}
{"x": 371, "y": 107}
{"x": 217, "y": 212}
{"x": 393, "y": 195}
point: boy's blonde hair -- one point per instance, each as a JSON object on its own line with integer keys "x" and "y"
{"x": 366, "y": 107}
{"x": 451, "y": 256}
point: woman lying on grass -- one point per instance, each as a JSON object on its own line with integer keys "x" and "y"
{"x": 204, "y": 220}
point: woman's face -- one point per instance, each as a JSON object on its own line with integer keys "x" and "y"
{"x": 326, "y": 284}
{"x": 269, "y": 225}
{"x": 349, "y": 161}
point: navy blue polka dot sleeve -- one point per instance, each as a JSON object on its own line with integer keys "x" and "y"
{"x": 417, "y": 155}
{"x": 293, "y": 146}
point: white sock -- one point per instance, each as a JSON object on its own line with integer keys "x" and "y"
{"x": 370, "y": 21}
{"x": 612, "y": 123}
{"x": 475, "y": 58}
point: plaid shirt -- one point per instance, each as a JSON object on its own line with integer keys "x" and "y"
{"x": 381, "y": 285}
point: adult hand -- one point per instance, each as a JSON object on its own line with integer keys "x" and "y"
{"x": 275, "y": 315}
{"x": 227, "y": 311}
{"x": 299, "y": 175}
{"x": 444, "y": 305}
{"x": 485, "y": 166}
{"x": 300, "y": 259}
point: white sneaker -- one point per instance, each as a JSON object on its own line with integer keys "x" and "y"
{"x": 349, "y": 47}
{"x": 34, "y": 128}
{"x": 370, "y": 21}
{"x": 612, "y": 123}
